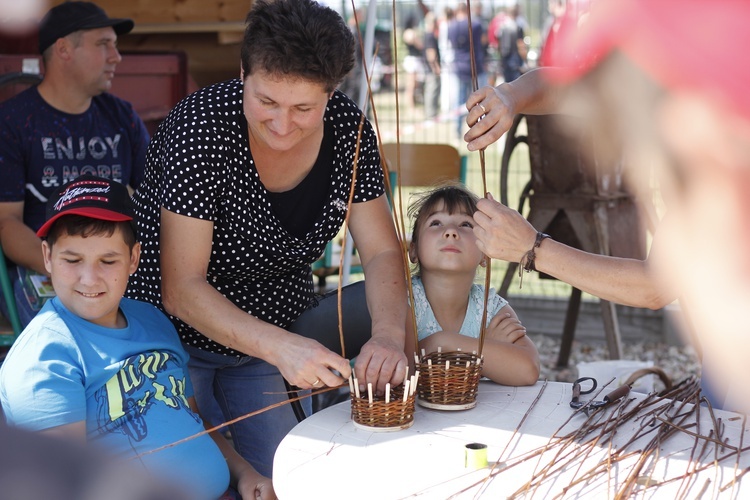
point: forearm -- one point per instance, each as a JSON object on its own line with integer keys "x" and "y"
{"x": 504, "y": 362}
{"x": 381, "y": 360}
{"x": 532, "y": 93}
{"x": 511, "y": 364}
{"x": 624, "y": 281}
{"x": 301, "y": 361}
{"x": 187, "y": 295}
{"x": 449, "y": 341}
{"x": 204, "y": 308}
{"x": 21, "y": 245}
{"x": 503, "y": 233}
{"x": 386, "y": 295}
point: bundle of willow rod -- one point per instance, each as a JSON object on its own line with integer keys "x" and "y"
{"x": 449, "y": 380}
{"x": 392, "y": 411}
{"x": 630, "y": 468}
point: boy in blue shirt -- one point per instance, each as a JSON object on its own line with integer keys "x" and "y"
{"x": 94, "y": 366}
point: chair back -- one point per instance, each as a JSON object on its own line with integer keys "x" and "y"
{"x": 423, "y": 164}
{"x": 420, "y": 165}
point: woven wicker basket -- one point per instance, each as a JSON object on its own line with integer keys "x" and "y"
{"x": 380, "y": 416}
{"x": 449, "y": 388}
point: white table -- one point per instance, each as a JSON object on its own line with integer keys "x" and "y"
{"x": 325, "y": 456}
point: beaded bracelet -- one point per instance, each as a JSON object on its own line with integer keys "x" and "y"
{"x": 527, "y": 261}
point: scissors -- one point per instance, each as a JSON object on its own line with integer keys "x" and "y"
{"x": 575, "y": 403}
{"x": 611, "y": 397}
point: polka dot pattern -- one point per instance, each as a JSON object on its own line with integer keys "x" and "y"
{"x": 199, "y": 165}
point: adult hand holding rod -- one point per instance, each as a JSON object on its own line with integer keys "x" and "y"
{"x": 530, "y": 94}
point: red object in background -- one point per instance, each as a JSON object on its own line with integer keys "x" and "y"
{"x": 152, "y": 82}
{"x": 693, "y": 45}
{"x": 27, "y": 43}
{"x": 492, "y": 28}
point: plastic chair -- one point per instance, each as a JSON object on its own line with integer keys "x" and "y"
{"x": 422, "y": 165}
{"x": 9, "y": 297}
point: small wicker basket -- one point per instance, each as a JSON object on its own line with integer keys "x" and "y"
{"x": 379, "y": 416}
{"x": 449, "y": 380}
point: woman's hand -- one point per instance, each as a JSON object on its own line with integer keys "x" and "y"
{"x": 306, "y": 363}
{"x": 502, "y": 233}
{"x": 381, "y": 361}
{"x": 496, "y": 108}
{"x": 533, "y": 93}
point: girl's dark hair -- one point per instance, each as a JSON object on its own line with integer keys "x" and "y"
{"x": 78, "y": 225}
{"x": 456, "y": 197}
{"x": 297, "y": 38}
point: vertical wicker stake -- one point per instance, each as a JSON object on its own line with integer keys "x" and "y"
{"x": 392, "y": 412}
{"x": 488, "y": 270}
{"x": 451, "y": 379}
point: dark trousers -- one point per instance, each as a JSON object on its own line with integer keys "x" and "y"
{"x": 321, "y": 323}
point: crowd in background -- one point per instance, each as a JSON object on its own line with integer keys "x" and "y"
{"x": 433, "y": 59}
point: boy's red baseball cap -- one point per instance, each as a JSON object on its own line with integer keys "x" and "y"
{"x": 693, "y": 44}
{"x": 89, "y": 196}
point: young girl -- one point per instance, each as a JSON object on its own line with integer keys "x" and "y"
{"x": 448, "y": 304}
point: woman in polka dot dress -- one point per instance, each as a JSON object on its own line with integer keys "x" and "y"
{"x": 246, "y": 182}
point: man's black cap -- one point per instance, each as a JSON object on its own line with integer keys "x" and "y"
{"x": 69, "y": 17}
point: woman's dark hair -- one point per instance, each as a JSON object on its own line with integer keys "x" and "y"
{"x": 455, "y": 196}
{"x": 297, "y": 38}
{"x": 78, "y": 225}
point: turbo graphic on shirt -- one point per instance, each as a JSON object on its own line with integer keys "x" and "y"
{"x": 143, "y": 382}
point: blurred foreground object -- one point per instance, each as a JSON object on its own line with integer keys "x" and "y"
{"x": 667, "y": 92}
{"x": 34, "y": 466}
